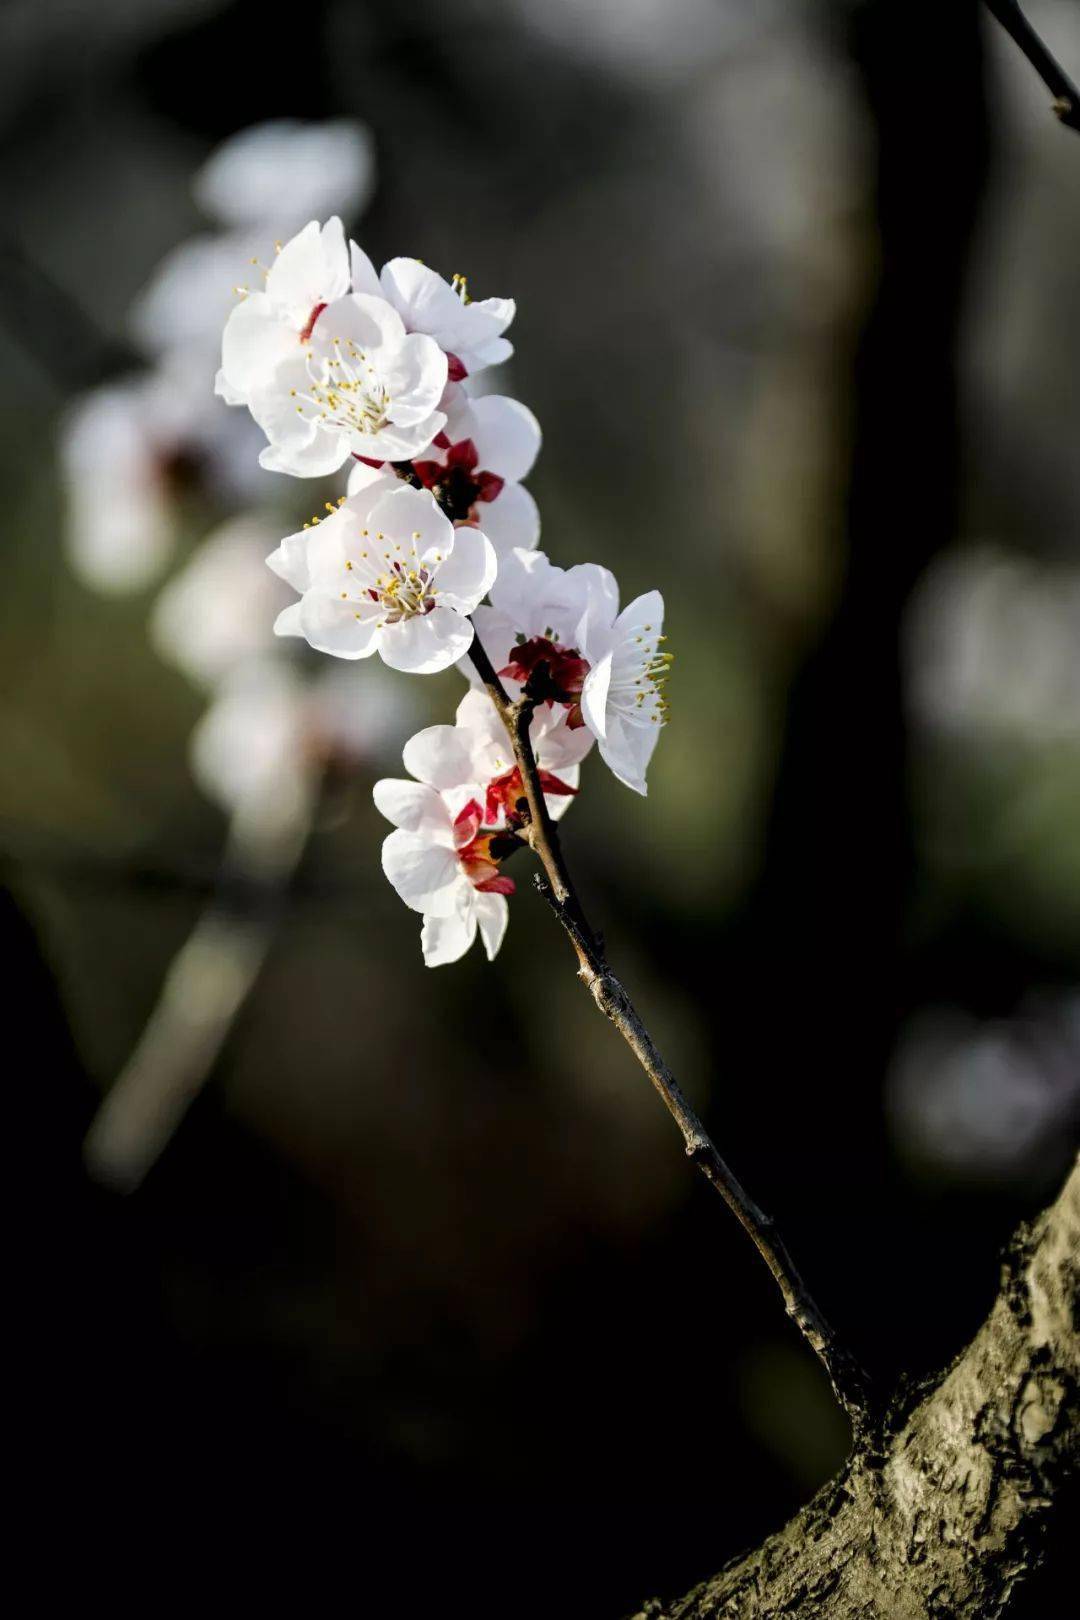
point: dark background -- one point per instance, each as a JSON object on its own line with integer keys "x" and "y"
{"x": 798, "y": 312}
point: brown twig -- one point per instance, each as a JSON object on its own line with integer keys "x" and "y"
{"x": 1066, "y": 102}
{"x": 848, "y": 1380}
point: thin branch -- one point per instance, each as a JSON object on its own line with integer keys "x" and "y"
{"x": 849, "y": 1382}
{"x": 1066, "y": 103}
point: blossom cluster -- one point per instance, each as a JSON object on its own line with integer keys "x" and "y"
{"x": 429, "y": 555}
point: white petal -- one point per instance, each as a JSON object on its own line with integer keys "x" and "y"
{"x": 627, "y": 750}
{"x": 255, "y": 341}
{"x": 398, "y": 443}
{"x": 492, "y": 915}
{"x": 323, "y": 453}
{"x": 416, "y": 376}
{"x": 600, "y": 590}
{"x": 506, "y": 435}
{"x": 289, "y": 621}
{"x": 558, "y": 745}
{"x": 363, "y": 478}
{"x": 495, "y": 633}
{"x": 446, "y": 939}
{"x": 311, "y": 269}
{"x": 340, "y": 628}
{"x": 423, "y": 646}
{"x": 469, "y": 572}
{"x": 415, "y": 807}
{"x": 440, "y": 756}
{"x": 365, "y": 277}
{"x": 559, "y": 803}
{"x": 594, "y": 696}
{"x": 406, "y": 515}
{"x": 424, "y": 300}
{"x": 369, "y": 323}
{"x": 290, "y": 561}
{"x": 643, "y": 610}
{"x": 425, "y": 874}
{"x": 511, "y": 519}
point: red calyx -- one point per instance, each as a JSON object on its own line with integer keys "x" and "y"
{"x": 474, "y": 851}
{"x": 550, "y": 673}
{"x": 458, "y": 483}
{"x": 507, "y": 793}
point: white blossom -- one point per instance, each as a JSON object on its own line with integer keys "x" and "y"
{"x": 459, "y": 818}
{"x": 474, "y": 467}
{"x": 328, "y": 373}
{"x": 559, "y": 633}
{"x": 386, "y": 572}
{"x": 218, "y": 612}
{"x": 280, "y": 173}
{"x": 270, "y": 726}
{"x": 468, "y": 331}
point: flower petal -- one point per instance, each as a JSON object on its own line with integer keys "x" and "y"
{"x": 415, "y": 374}
{"x": 423, "y": 646}
{"x": 255, "y": 341}
{"x": 446, "y": 939}
{"x": 492, "y": 915}
{"x": 289, "y": 621}
{"x": 594, "y": 697}
{"x": 415, "y": 807}
{"x": 311, "y": 269}
{"x": 627, "y": 750}
{"x": 406, "y": 515}
{"x": 469, "y": 572}
{"x": 511, "y": 519}
{"x": 365, "y": 278}
{"x": 426, "y": 875}
{"x": 440, "y": 756}
{"x": 342, "y": 628}
{"x": 506, "y": 435}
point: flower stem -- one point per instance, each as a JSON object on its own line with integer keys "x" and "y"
{"x": 849, "y": 1382}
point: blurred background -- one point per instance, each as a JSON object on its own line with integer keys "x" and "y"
{"x": 798, "y": 313}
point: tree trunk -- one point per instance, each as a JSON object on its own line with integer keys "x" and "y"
{"x": 945, "y": 1515}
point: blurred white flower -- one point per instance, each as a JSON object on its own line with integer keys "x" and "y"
{"x": 122, "y": 451}
{"x": 251, "y": 743}
{"x": 191, "y": 294}
{"x": 386, "y": 572}
{"x": 992, "y": 645}
{"x": 995, "y": 1100}
{"x": 219, "y": 610}
{"x": 271, "y": 726}
{"x": 278, "y": 174}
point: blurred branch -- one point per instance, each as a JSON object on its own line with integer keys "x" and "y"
{"x": 52, "y": 327}
{"x": 849, "y": 1382}
{"x": 1066, "y": 103}
{"x": 205, "y": 988}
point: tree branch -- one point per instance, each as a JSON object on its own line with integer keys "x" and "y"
{"x": 947, "y": 1518}
{"x": 849, "y": 1382}
{"x": 1066, "y": 102}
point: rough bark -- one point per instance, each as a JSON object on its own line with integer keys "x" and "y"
{"x": 945, "y": 1514}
